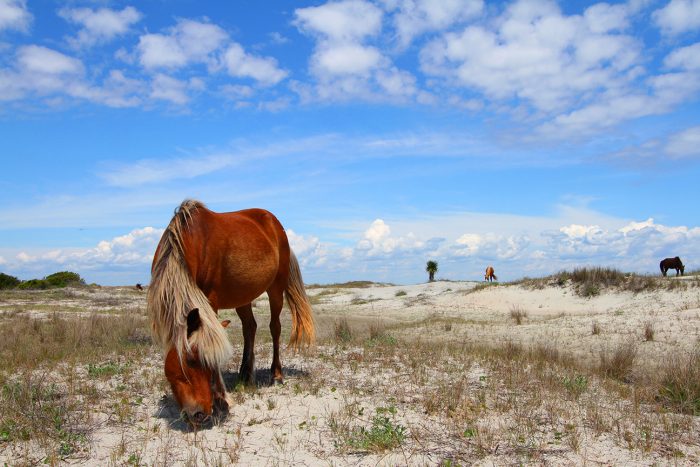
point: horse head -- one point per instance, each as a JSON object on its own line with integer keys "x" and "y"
{"x": 198, "y": 389}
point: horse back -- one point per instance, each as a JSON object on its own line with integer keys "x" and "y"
{"x": 671, "y": 263}
{"x": 235, "y": 256}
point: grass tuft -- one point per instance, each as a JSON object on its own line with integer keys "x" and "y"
{"x": 619, "y": 363}
{"x": 680, "y": 383}
{"x": 342, "y": 330}
{"x": 648, "y": 331}
{"x": 518, "y": 314}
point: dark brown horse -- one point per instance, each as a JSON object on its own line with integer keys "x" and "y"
{"x": 206, "y": 261}
{"x": 672, "y": 263}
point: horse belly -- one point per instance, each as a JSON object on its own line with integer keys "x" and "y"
{"x": 244, "y": 274}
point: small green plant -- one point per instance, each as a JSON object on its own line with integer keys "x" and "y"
{"x": 576, "y": 385}
{"x": 400, "y": 293}
{"x": 104, "y": 370}
{"x": 595, "y": 328}
{"x": 381, "y": 436}
{"x": 589, "y": 289}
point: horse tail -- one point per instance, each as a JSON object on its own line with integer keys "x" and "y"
{"x": 299, "y": 305}
{"x": 173, "y": 294}
{"x": 494, "y": 276}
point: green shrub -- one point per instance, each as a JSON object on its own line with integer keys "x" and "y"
{"x": 56, "y": 280}
{"x": 8, "y": 282}
{"x": 34, "y": 284}
{"x": 64, "y": 278}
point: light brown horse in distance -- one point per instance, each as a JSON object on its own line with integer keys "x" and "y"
{"x": 490, "y": 276}
{"x": 207, "y": 261}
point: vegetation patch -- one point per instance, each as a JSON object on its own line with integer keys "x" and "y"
{"x": 680, "y": 383}
{"x": 590, "y": 282}
{"x": 383, "y": 434}
{"x": 52, "y": 281}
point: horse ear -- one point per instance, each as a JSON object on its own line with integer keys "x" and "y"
{"x": 193, "y": 321}
{"x": 226, "y": 322}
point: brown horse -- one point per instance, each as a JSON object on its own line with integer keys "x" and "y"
{"x": 490, "y": 276}
{"x": 672, "y": 263}
{"x": 206, "y": 261}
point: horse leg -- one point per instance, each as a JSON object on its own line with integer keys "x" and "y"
{"x": 247, "y": 372}
{"x": 276, "y": 302}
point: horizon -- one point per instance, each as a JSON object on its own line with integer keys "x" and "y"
{"x": 534, "y": 136}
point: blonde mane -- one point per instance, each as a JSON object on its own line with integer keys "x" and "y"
{"x": 173, "y": 293}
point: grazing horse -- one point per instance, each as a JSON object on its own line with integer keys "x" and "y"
{"x": 490, "y": 276}
{"x": 206, "y": 261}
{"x": 139, "y": 287}
{"x": 672, "y": 263}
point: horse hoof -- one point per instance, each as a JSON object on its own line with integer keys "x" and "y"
{"x": 278, "y": 382}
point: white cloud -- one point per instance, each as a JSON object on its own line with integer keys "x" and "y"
{"x": 415, "y": 17}
{"x": 678, "y": 16}
{"x": 46, "y": 72}
{"x": 99, "y": 26}
{"x": 14, "y": 15}
{"x": 345, "y": 65}
{"x": 169, "y": 89}
{"x": 487, "y": 247}
{"x": 308, "y": 249}
{"x": 345, "y": 59}
{"x": 469, "y": 244}
{"x": 132, "y": 251}
{"x": 187, "y": 42}
{"x": 537, "y": 55}
{"x": 241, "y": 64}
{"x": 684, "y": 144}
{"x": 378, "y": 241}
{"x": 45, "y": 61}
{"x": 686, "y": 58}
{"x": 153, "y": 171}
{"x": 344, "y": 21}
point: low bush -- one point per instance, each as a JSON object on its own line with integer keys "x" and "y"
{"x": 8, "y": 282}
{"x": 56, "y": 280}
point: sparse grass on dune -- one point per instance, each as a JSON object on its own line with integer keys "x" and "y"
{"x": 42, "y": 396}
{"x": 431, "y": 389}
{"x": 349, "y": 285}
{"x": 589, "y": 282}
{"x": 29, "y": 342}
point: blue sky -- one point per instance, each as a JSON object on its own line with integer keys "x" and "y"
{"x": 531, "y": 135}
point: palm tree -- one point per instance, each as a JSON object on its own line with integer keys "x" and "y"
{"x": 431, "y": 268}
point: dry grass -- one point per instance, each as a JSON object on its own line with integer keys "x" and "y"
{"x": 590, "y": 282}
{"x": 680, "y": 383}
{"x": 342, "y": 330}
{"x": 648, "y": 331}
{"x": 42, "y": 396}
{"x": 619, "y": 362}
{"x": 517, "y": 314}
{"x": 424, "y": 391}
